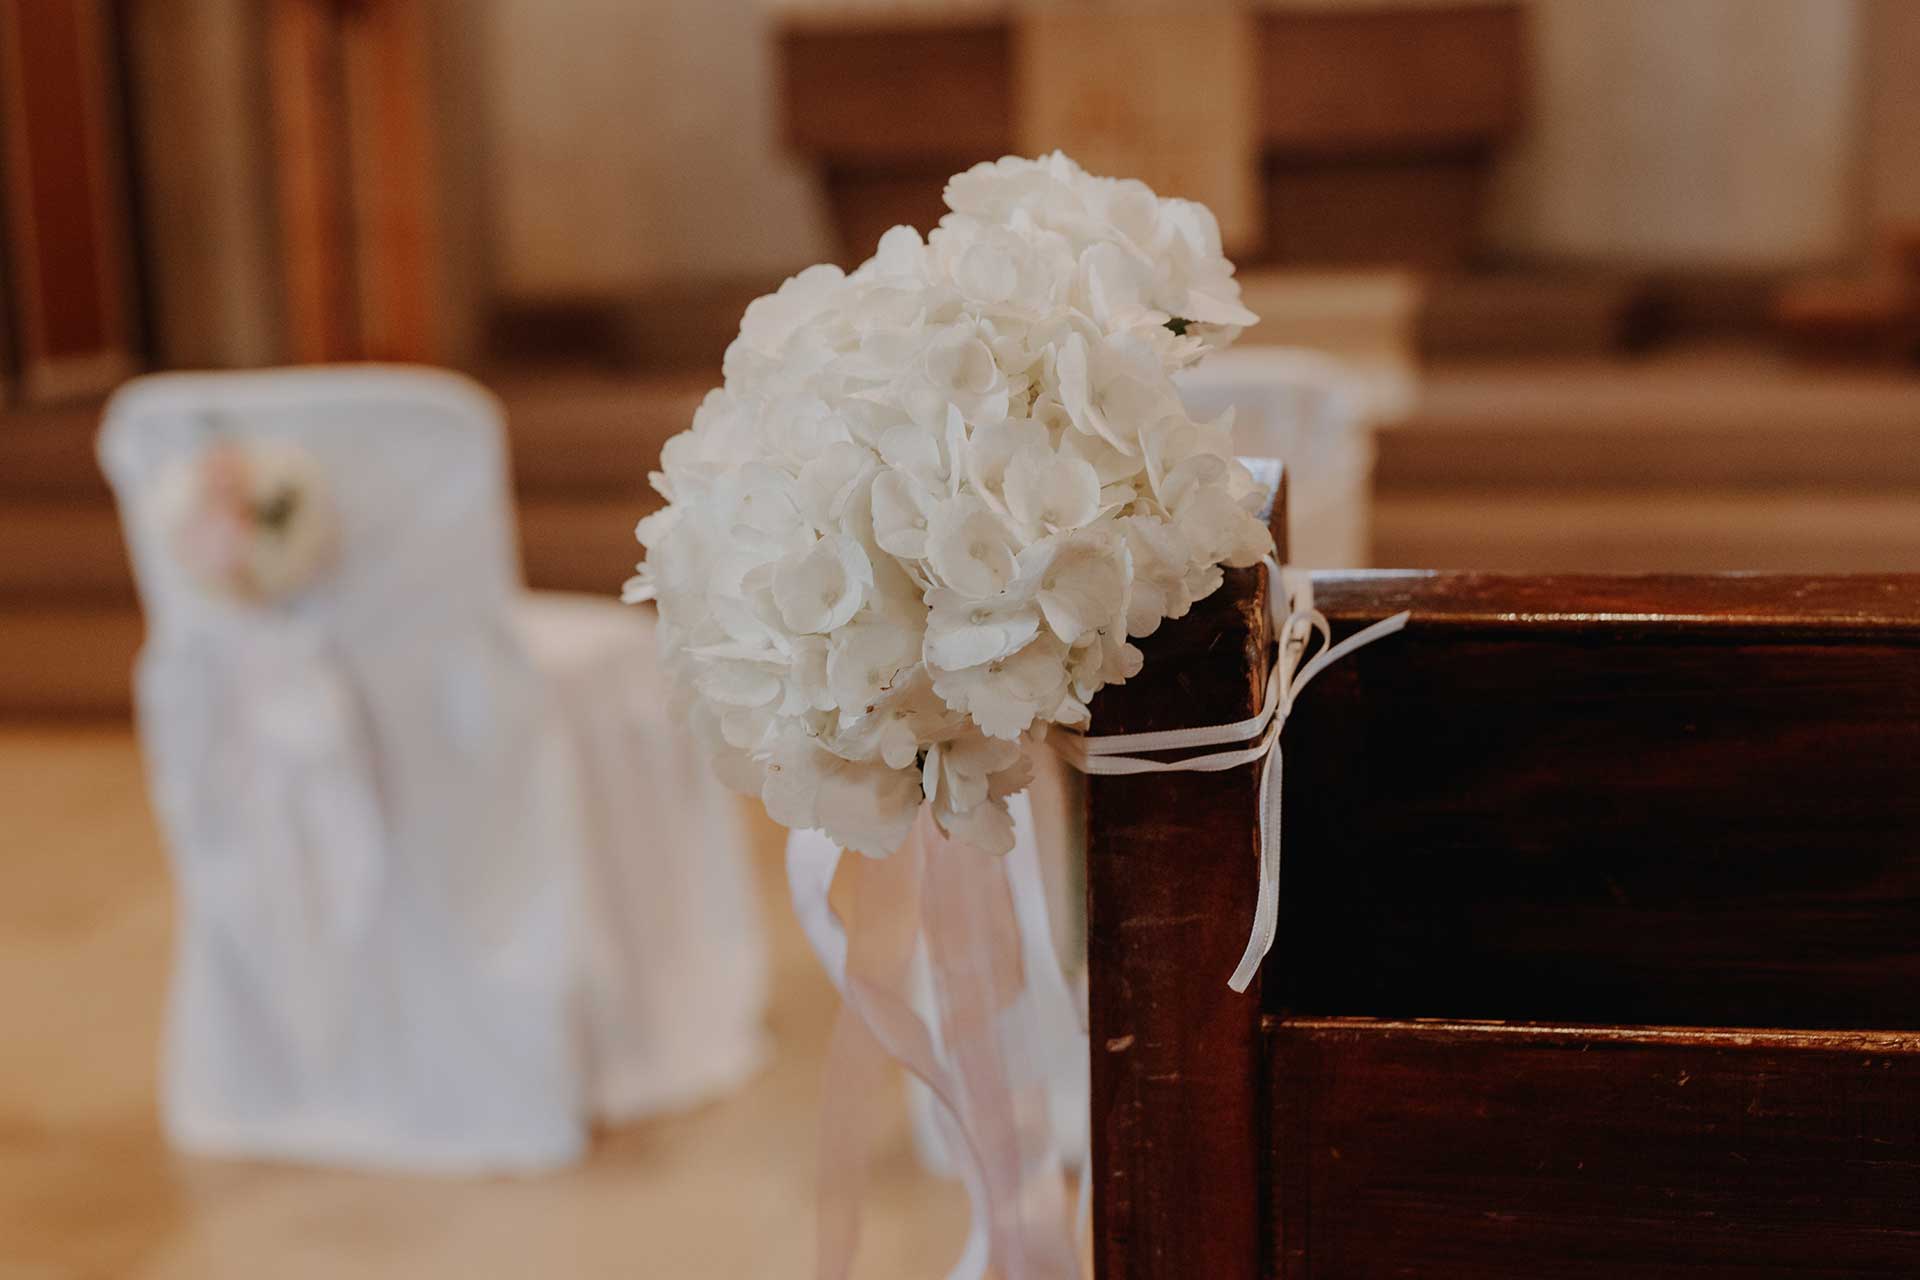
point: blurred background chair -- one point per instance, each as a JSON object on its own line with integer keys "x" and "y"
{"x": 450, "y": 883}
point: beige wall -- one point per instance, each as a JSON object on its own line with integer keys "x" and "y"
{"x": 633, "y": 144}
{"x": 1688, "y": 132}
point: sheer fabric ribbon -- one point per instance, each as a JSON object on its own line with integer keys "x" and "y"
{"x": 1296, "y": 623}
{"x": 982, "y": 924}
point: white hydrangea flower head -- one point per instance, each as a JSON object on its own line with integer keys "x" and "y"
{"x": 938, "y": 495}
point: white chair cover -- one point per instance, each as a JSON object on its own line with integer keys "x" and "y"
{"x": 389, "y": 815}
{"x": 675, "y": 954}
{"x": 1311, "y": 412}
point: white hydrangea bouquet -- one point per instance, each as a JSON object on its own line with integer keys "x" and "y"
{"x": 937, "y": 496}
{"x": 914, "y": 533}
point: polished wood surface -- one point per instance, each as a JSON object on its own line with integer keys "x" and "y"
{"x": 68, "y": 278}
{"x": 1597, "y": 952}
{"x": 932, "y": 95}
{"x": 386, "y": 53}
{"x": 1634, "y": 606}
{"x": 1176, "y": 1065}
{"x": 1512, "y": 1153}
{"x": 311, "y": 181}
{"x": 1611, "y": 800}
{"x": 88, "y": 1189}
{"x": 1442, "y": 76}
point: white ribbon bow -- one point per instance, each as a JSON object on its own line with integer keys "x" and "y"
{"x": 1296, "y": 622}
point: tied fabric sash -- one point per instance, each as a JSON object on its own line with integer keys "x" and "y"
{"x": 1296, "y": 623}
{"x": 982, "y": 925}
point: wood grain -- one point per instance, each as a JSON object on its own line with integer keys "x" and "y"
{"x": 1635, "y": 606}
{"x": 1176, "y": 1060}
{"x": 1631, "y": 800}
{"x": 1514, "y": 1152}
{"x": 1392, "y": 79}
{"x": 312, "y": 181}
{"x": 1376, "y": 128}
{"x": 1408, "y": 211}
{"x": 393, "y": 163}
{"x": 206, "y": 202}
{"x": 1669, "y": 820}
{"x": 60, "y": 153}
{"x": 877, "y": 95}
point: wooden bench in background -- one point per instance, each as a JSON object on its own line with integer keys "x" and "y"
{"x": 1599, "y": 949}
{"x": 1378, "y": 123}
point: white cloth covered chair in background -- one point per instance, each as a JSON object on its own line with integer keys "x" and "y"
{"x": 1315, "y": 414}
{"x": 451, "y": 885}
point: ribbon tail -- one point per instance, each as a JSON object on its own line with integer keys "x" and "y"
{"x": 868, "y": 962}
{"x": 979, "y": 970}
{"x": 1266, "y": 912}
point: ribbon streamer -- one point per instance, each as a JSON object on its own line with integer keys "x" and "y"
{"x": 1296, "y": 623}
{"x": 960, "y": 904}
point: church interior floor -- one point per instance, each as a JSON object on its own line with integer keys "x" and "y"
{"x": 88, "y": 1188}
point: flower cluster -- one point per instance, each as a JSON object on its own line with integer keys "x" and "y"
{"x": 249, "y": 519}
{"x": 937, "y": 495}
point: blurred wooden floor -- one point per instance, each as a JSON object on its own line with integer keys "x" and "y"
{"x": 88, "y": 1189}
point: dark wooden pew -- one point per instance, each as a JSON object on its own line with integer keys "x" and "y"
{"x": 1599, "y": 949}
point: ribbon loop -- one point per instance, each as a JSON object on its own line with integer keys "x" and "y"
{"x": 1295, "y": 624}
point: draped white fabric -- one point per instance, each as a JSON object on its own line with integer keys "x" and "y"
{"x": 674, "y": 952}
{"x": 416, "y": 927}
